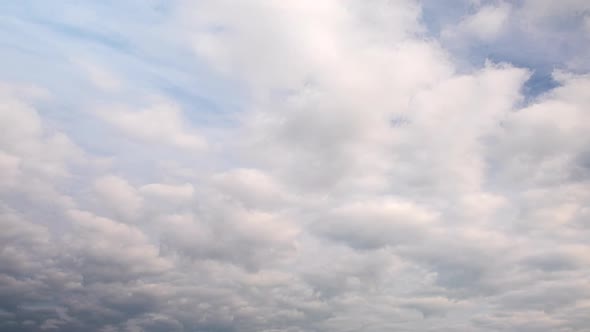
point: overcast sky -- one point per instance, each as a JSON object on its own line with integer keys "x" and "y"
{"x": 295, "y": 165}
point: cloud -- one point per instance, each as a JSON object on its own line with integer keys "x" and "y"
{"x": 110, "y": 250}
{"x": 371, "y": 225}
{"x": 251, "y": 187}
{"x": 39, "y": 149}
{"x": 160, "y": 123}
{"x": 118, "y": 196}
{"x": 229, "y": 233}
{"x": 549, "y": 9}
{"x": 167, "y": 191}
{"x": 100, "y": 77}
{"x": 305, "y": 166}
{"x": 10, "y": 169}
{"x": 486, "y": 24}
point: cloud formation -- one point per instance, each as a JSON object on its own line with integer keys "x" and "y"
{"x": 294, "y": 166}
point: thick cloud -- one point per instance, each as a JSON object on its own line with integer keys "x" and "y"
{"x": 294, "y": 166}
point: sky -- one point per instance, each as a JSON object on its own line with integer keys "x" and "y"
{"x": 297, "y": 166}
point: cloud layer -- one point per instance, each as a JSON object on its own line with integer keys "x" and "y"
{"x": 294, "y": 166}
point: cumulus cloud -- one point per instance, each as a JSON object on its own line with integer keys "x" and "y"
{"x": 173, "y": 192}
{"x": 161, "y": 123}
{"x": 543, "y": 9}
{"x": 252, "y": 188}
{"x": 374, "y": 224}
{"x": 24, "y": 138}
{"x": 306, "y": 166}
{"x": 111, "y": 249}
{"x": 486, "y": 24}
{"x": 100, "y": 77}
{"x": 118, "y": 196}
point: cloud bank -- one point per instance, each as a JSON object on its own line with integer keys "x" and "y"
{"x": 295, "y": 166}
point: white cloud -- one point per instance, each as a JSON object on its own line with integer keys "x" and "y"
{"x": 9, "y": 170}
{"x": 161, "y": 123}
{"x": 539, "y": 144}
{"x": 253, "y": 188}
{"x": 112, "y": 250}
{"x": 486, "y": 24}
{"x": 100, "y": 77}
{"x": 546, "y": 9}
{"x": 168, "y": 191}
{"x": 374, "y": 224}
{"x": 118, "y": 196}
{"x": 34, "y": 158}
{"x": 41, "y": 150}
{"x": 363, "y": 178}
{"x": 229, "y": 233}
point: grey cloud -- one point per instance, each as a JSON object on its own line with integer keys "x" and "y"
{"x": 371, "y": 225}
{"x": 430, "y": 306}
{"x": 548, "y": 296}
{"x": 553, "y": 261}
{"x": 161, "y": 123}
{"x": 106, "y": 250}
{"x": 229, "y": 233}
{"x": 252, "y": 188}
